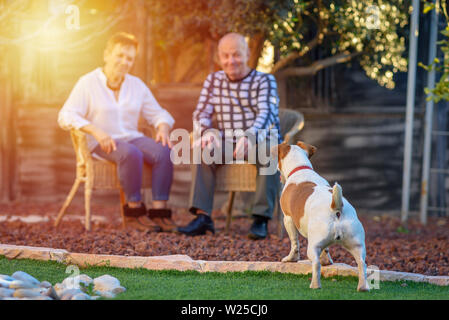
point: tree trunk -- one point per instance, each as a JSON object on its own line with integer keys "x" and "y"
{"x": 211, "y": 53}
{"x": 256, "y": 44}
{"x": 8, "y": 146}
{"x": 141, "y": 18}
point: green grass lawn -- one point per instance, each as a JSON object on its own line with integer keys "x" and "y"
{"x": 147, "y": 284}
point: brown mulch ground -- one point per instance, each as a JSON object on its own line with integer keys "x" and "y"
{"x": 422, "y": 250}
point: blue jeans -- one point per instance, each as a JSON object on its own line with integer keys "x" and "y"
{"x": 129, "y": 157}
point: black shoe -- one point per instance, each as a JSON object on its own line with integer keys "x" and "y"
{"x": 198, "y": 226}
{"x": 134, "y": 212}
{"x": 259, "y": 228}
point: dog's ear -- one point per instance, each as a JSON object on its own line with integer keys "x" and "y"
{"x": 279, "y": 150}
{"x": 307, "y": 147}
{"x": 283, "y": 150}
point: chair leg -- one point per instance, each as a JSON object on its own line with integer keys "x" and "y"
{"x": 229, "y": 210}
{"x": 280, "y": 219}
{"x": 87, "y": 197}
{"x": 122, "y": 203}
{"x": 67, "y": 202}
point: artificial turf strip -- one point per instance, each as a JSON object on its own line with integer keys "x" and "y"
{"x": 250, "y": 285}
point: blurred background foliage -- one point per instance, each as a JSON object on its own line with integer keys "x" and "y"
{"x": 372, "y": 32}
{"x": 441, "y": 90}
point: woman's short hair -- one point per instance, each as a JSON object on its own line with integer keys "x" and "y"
{"x": 124, "y": 38}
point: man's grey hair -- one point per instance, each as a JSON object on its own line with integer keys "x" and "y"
{"x": 235, "y": 36}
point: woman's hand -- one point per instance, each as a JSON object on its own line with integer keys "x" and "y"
{"x": 163, "y": 135}
{"x": 107, "y": 144}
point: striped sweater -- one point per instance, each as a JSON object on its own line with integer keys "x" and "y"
{"x": 250, "y": 104}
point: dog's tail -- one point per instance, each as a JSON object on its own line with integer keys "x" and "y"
{"x": 337, "y": 199}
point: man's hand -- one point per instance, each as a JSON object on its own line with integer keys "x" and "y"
{"x": 163, "y": 135}
{"x": 208, "y": 140}
{"x": 241, "y": 148}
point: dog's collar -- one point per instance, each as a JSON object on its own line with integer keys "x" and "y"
{"x": 299, "y": 168}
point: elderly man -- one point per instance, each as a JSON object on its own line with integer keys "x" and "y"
{"x": 244, "y": 99}
{"x": 106, "y": 104}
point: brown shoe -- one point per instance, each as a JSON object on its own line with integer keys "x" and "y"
{"x": 149, "y": 223}
{"x": 135, "y": 223}
{"x": 136, "y": 218}
{"x": 162, "y": 217}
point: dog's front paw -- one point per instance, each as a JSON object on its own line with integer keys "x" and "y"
{"x": 326, "y": 262}
{"x": 363, "y": 287}
{"x": 315, "y": 285}
{"x": 290, "y": 258}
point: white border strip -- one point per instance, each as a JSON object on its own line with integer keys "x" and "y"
{"x": 184, "y": 262}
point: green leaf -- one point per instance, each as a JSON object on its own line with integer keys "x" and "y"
{"x": 402, "y": 229}
{"x": 420, "y": 64}
{"x": 445, "y": 32}
{"x": 428, "y": 6}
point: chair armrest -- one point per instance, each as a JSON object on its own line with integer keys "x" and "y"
{"x": 79, "y": 142}
{"x": 78, "y": 134}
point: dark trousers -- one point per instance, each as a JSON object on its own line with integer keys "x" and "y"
{"x": 203, "y": 188}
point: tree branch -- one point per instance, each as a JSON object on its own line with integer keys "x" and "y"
{"x": 295, "y": 55}
{"x": 318, "y": 65}
{"x": 313, "y": 43}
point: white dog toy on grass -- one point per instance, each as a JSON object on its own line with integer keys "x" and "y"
{"x": 320, "y": 213}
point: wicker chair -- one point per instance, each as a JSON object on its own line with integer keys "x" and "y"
{"x": 97, "y": 173}
{"x": 242, "y": 177}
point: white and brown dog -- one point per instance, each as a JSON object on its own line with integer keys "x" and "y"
{"x": 320, "y": 213}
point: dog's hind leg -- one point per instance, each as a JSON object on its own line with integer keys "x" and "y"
{"x": 359, "y": 253}
{"x": 325, "y": 258}
{"x": 294, "y": 242}
{"x": 313, "y": 252}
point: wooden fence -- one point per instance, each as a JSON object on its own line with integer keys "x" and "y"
{"x": 361, "y": 151}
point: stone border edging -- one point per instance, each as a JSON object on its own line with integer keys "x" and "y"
{"x": 184, "y": 262}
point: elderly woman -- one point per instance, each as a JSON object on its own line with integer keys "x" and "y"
{"x": 106, "y": 104}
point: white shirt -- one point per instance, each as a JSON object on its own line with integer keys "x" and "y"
{"x": 92, "y": 102}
